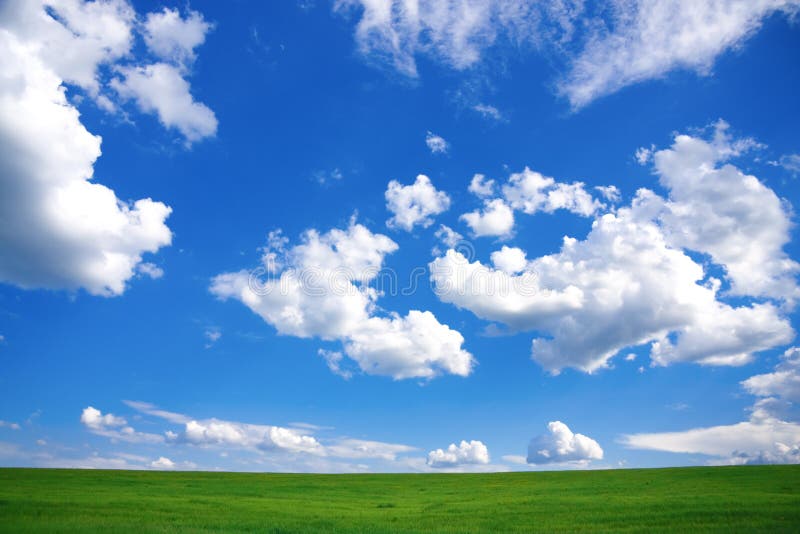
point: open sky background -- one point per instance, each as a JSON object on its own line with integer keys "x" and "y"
{"x": 290, "y": 135}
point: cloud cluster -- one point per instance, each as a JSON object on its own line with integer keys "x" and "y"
{"x": 560, "y": 445}
{"x": 631, "y": 281}
{"x": 414, "y": 204}
{"x": 529, "y": 192}
{"x": 320, "y": 288}
{"x": 436, "y": 143}
{"x": 465, "y": 453}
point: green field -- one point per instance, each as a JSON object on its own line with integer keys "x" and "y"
{"x": 764, "y": 498}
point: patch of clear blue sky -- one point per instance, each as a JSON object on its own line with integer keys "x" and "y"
{"x": 298, "y": 100}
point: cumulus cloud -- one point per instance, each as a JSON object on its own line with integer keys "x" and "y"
{"x": 790, "y": 162}
{"x": 162, "y": 463}
{"x": 9, "y": 424}
{"x": 172, "y": 37}
{"x": 113, "y": 427}
{"x": 436, "y": 143}
{"x": 320, "y": 288}
{"x": 414, "y": 204}
{"x": 561, "y": 445}
{"x": 61, "y": 230}
{"x": 630, "y": 281}
{"x": 510, "y": 260}
{"x": 465, "y": 453}
{"x": 532, "y": 192}
{"x": 495, "y": 219}
{"x": 161, "y": 89}
{"x": 715, "y": 208}
{"x": 481, "y": 187}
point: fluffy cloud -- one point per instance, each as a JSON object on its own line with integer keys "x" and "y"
{"x": 481, "y": 187}
{"x": 715, "y": 208}
{"x": 647, "y": 39}
{"x": 414, "y": 204}
{"x": 531, "y": 192}
{"x": 60, "y": 229}
{"x": 436, "y": 143}
{"x": 113, "y": 427}
{"x": 173, "y": 38}
{"x": 162, "y": 463}
{"x": 466, "y": 453}
{"x": 510, "y": 260}
{"x": 784, "y": 382}
{"x": 561, "y": 445}
{"x": 9, "y": 424}
{"x": 630, "y": 282}
{"x": 161, "y": 89}
{"x": 320, "y": 288}
{"x": 495, "y": 219}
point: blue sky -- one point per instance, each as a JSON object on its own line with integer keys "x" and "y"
{"x": 154, "y": 156}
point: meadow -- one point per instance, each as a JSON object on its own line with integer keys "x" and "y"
{"x": 725, "y": 499}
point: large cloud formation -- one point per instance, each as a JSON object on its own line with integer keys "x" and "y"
{"x": 59, "y": 228}
{"x": 631, "y": 281}
{"x": 320, "y": 288}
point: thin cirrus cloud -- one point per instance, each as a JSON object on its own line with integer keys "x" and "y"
{"x": 320, "y": 288}
{"x": 630, "y": 282}
{"x": 62, "y": 229}
{"x": 603, "y": 48}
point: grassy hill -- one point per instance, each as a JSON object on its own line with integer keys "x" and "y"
{"x": 762, "y": 498}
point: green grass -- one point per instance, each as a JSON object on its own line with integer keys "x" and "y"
{"x": 764, "y": 498}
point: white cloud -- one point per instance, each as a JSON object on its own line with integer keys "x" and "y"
{"x": 150, "y": 269}
{"x": 212, "y": 335}
{"x": 363, "y": 449}
{"x": 495, "y": 219}
{"x": 465, "y": 453}
{"x": 414, "y": 204}
{"x": 448, "y": 236}
{"x": 115, "y": 428}
{"x": 644, "y": 155}
{"x": 72, "y": 38}
{"x": 609, "y": 192}
{"x": 765, "y": 438}
{"x": 161, "y": 89}
{"x": 630, "y": 282}
{"x": 605, "y": 46}
{"x": 488, "y": 111}
{"x": 334, "y": 359}
{"x": 531, "y": 192}
{"x": 510, "y": 260}
{"x": 716, "y": 209}
{"x": 163, "y": 463}
{"x": 9, "y": 424}
{"x": 790, "y": 162}
{"x": 214, "y": 432}
{"x": 560, "y": 445}
{"x": 481, "y": 187}
{"x": 436, "y": 143}
{"x": 322, "y": 290}
{"x": 173, "y": 38}
{"x": 647, "y": 39}
{"x": 784, "y": 382}
{"x": 61, "y": 229}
